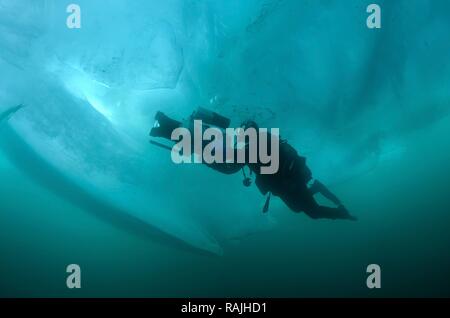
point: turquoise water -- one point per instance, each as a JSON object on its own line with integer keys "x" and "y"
{"x": 79, "y": 182}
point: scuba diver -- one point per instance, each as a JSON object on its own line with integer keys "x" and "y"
{"x": 292, "y": 183}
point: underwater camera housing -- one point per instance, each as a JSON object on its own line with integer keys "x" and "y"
{"x": 210, "y": 118}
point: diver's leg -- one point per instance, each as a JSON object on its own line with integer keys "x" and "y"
{"x": 301, "y": 199}
{"x": 319, "y": 187}
{"x": 316, "y": 211}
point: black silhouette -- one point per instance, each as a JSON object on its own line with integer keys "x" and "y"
{"x": 290, "y": 183}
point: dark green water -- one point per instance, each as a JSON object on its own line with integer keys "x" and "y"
{"x": 404, "y": 226}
